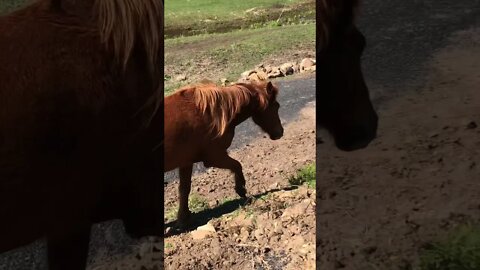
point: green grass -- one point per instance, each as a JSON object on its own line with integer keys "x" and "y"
{"x": 306, "y": 175}
{"x": 459, "y": 251}
{"x": 199, "y": 9}
{"x": 196, "y": 203}
{"x": 188, "y": 17}
{"x": 9, "y": 5}
{"x": 171, "y": 213}
{"x": 168, "y": 245}
{"x": 229, "y": 54}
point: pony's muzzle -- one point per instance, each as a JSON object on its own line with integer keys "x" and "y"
{"x": 357, "y": 137}
{"x": 277, "y": 134}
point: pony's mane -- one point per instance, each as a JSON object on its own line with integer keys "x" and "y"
{"x": 222, "y": 104}
{"x": 334, "y": 14}
{"x": 124, "y": 23}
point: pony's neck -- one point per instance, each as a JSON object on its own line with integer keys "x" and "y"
{"x": 247, "y": 110}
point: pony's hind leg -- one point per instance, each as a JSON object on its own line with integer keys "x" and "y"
{"x": 184, "y": 187}
{"x": 224, "y": 161}
{"x": 68, "y": 251}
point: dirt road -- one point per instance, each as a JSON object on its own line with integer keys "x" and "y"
{"x": 378, "y": 207}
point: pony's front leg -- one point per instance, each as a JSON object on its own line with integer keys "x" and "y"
{"x": 224, "y": 161}
{"x": 184, "y": 191}
{"x": 68, "y": 251}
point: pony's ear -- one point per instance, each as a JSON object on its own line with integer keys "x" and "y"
{"x": 269, "y": 88}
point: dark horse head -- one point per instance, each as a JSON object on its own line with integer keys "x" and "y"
{"x": 344, "y": 108}
{"x": 267, "y": 118}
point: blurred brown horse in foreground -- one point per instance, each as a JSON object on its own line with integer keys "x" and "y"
{"x": 344, "y": 106}
{"x": 201, "y": 125}
{"x": 80, "y": 116}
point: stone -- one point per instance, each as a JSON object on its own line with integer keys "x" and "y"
{"x": 287, "y": 69}
{"x": 181, "y": 77}
{"x": 207, "y": 227}
{"x": 247, "y": 73}
{"x": 224, "y": 81}
{"x": 199, "y": 235}
{"x": 306, "y": 63}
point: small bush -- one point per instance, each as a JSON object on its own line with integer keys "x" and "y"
{"x": 460, "y": 251}
{"x": 306, "y": 175}
{"x": 197, "y": 203}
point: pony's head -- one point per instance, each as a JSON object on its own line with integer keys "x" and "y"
{"x": 266, "y": 115}
{"x": 344, "y": 107}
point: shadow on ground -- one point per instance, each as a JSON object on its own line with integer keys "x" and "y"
{"x": 203, "y": 217}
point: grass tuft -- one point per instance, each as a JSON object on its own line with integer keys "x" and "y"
{"x": 460, "y": 251}
{"x": 306, "y": 175}
{"x": 197, "y": 203}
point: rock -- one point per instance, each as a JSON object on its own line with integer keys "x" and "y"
{"x": 287, "y": 69}
{"x": 262, "y": 75}
{"x": 258, "y": 76}
{"x": 181, "y": 77}
{"x": 247, "y": 73}
{"x": 274, "y": 186}
{"x": 224, "y": 81}
{"x": 268, "y": 69}
{"x": 213, "y": 204}
{"x": 199, "y": 235}
{"x": 253, "y": 77}
{"x": 275, "y": 73}
{"x": 296, "y": 68}
{"x": 306, "y": 64}
{"x": 312, "y": 68}
{"x": 207, "y": 227}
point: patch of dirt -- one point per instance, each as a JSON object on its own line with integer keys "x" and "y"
{"x": 378, "y": 207}
{"x": 273, "y": 231}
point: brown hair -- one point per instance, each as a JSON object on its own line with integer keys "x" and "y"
{"x": 125, "y": 22}
{"x": 222, "y": 104}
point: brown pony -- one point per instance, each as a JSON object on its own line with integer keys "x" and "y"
{"x": 81, "y": 107}
{"x": 201, "y": 125}
{"x": 344, "y": 106}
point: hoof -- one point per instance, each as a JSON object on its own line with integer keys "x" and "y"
{"x": 241, "y": 191}
{"x": 183, "y": 221}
